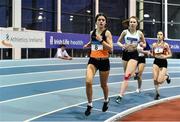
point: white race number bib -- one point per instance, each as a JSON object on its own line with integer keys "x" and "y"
{"x": 158, "y": 50}
{"x": 96, "y": 45}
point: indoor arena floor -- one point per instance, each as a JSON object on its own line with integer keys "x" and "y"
{"x": 54, "y": 90}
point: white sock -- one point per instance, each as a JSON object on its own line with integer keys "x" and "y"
{"x": 90, "y": 104}
{"x": 107, "y": 100}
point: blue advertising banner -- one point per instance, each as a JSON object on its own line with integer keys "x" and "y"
{"x": 76, "y": 41}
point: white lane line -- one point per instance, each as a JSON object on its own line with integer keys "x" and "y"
{"x": 69, "y": 78}
{"x": 42, "y": 81}
{"x": 36, "y": 95}
{"x": 68, "y": 70}
{"x": 62, "y": 63}
{"x": 36, "y": 117}
{"x": 37, "y": 59}
{"x": 56, "y": 63}
{"x": 53, "y": 80}
{"x": 112, "y": 112}
{"x": 118, "y": 116}
{"x": 65, "y": 90}
{"x": 58, "y": 91}
{"x": 43, "y": 72}
{"x": 76, "y": 60}
{"x": 46, "y": 59}
{"x": 40, "y": 65}
{"x": 49, "y": 73}
{"x": 42, "y": 60}
{"x": 57, "y": 71}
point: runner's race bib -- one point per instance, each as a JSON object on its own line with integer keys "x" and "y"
{"x": 96, "y": 45}
{"x": 132, "y": 40}
{"x": 158, "y": 50}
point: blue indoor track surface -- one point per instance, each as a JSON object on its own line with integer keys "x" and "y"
{"x": 54, "y": 89}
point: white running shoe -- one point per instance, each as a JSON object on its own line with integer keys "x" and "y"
{"x": 138, "y": 90}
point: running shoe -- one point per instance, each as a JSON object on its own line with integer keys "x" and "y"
{"x": 105, "y": 106}
{"x": 168, "y": 79}
{"x": 119, "y": 99}
{"x": 88, "y": 110}
{"x": 157, "y": 96}
{"x": 138, "y": 90}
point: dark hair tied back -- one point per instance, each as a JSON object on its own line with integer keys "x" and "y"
{"x": 100, "y": 14}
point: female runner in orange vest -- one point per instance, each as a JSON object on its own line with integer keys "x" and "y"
{"x": 101, "y": 44}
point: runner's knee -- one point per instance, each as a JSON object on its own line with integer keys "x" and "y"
{"x": 127, "y": 77}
